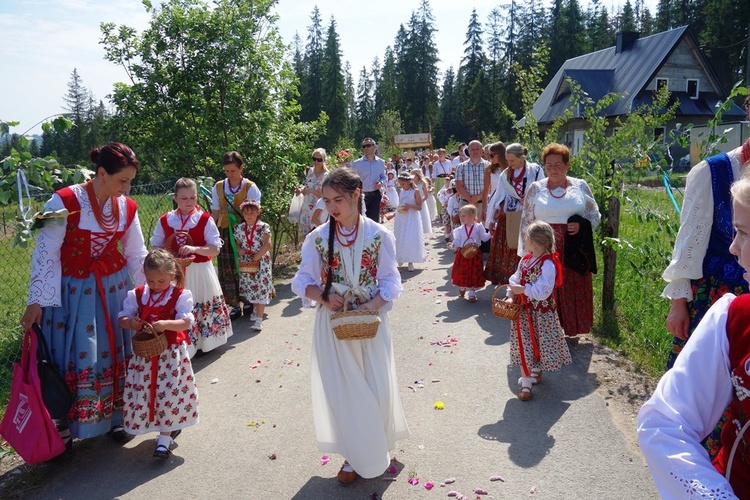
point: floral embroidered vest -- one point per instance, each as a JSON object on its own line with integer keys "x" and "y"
{"x": 531, "y": 274}
{"x": 163, "y": 312}
{"x": 738, "y": 332}
{"x": 77, "y": 260}
{"x": 197, "y": 233}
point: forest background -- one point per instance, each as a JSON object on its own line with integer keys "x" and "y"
{"x": 204, "y": 79}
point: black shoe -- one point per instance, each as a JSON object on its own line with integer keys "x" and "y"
{"x": 234, "y": 313}
{"x": 174, "y": 434}
{"x": 161, "y": 452}
{"x": 117, "y": 432}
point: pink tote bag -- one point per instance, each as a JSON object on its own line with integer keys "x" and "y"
{"x": 27, "y": 425}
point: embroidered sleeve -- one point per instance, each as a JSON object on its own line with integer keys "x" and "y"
{"x": 129, "y": 306}
{"x": 591, "y": 212}
{"x": 544, "y": 285}
{"x": 528, "y": 213}
{"x": 515, "y": 278}
{"x": 310, "y": 268}
{"x": 685, "y": 408}
{"x": 134, "y": 251}
{"x": 212, "y": 235}
{"x": 46, "y": 269}
{"x": 389, "y": 279}
{"x": 183, "y": 309}
{"x": 691, "y": 242}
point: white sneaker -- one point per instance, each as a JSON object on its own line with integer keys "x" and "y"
{"x": 258, "y": 325}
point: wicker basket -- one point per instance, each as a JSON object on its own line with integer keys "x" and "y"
{"x": 249, "y": 267}
{"x": 503, "y": 308}
{"x": 147, "y": 343}
{"x": 355, "y": 325}
{"x": 184, "y": 261}
{"x": 174, "y": 242}
{"x": 469, "y": 251}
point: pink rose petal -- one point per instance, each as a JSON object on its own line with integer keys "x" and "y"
{"x": 481, "y": 491}
{"x": 324, "y": 459}
{"x": 428, "y": 485}
{"x": 392, "y": 470}
{"x": 413, "y": 481}
{"x": 450, "y": 480}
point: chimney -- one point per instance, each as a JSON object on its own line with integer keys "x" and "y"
{"x": 625, "y": 40}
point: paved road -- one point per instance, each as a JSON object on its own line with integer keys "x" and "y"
{"x": 567, "y": 442}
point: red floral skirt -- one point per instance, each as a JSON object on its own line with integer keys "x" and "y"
{"x": 468, "y": 273}
{"x": 502, "y": 262}
{"x": 575, "y": 298}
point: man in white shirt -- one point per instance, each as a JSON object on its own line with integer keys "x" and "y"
{"x": 441, "y": 168}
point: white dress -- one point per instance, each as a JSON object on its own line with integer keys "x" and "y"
{"x": 408, "y": 230}
{"x": 425, "y": 212}
{"x": 356, "y": 405}
{"x": 688, "y": 401}
{"x": 391, "y": 193}
{"x": 212, "y": 326}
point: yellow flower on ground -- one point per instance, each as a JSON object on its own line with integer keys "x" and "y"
{"x": 439, "y": 405}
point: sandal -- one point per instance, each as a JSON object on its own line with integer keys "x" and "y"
{"x": 524, "y": 394}
{"x": 536, "y": 376}
{"x": 461, "y": 292}
{"x": 161, "y": 452}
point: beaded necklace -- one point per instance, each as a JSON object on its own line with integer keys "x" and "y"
{"x": 565, "y": 190}
{"x": 108, "y": 223}
{"x": 234, "y": 190}
{"x": 350, "y": 237}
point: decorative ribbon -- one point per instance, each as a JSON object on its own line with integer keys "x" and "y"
{"x": 21, "y": 181}
{"x": 668, "y": 188}
{"x": 535, "y": 346}
{"x": 96, "y": 267}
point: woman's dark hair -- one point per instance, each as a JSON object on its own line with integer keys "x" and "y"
{"x": 233, "y": 157}
{"x": 344, "y": 181}
{"x": 499, "y": 148}
{"x": 114, "y": 157}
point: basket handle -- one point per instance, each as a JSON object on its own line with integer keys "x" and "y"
{"x": 499, "y": 287}
{"x": 150, "y": 330}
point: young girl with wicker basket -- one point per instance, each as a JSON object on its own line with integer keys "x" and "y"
{"x": 468, "y": 266}
{"x": 191, "y": 235}
{"x": 537, "y": 341}
{"x": 356, "y": 406}
{"x": 253, "y": 244}
{"x": 160, "y": 393}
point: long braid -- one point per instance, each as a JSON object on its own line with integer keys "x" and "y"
{"x": 329, "y": 276}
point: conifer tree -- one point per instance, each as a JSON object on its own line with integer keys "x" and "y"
{"x": 312, "y": 89}
{"x": 333, "y": 92}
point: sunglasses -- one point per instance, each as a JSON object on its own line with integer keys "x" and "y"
{"x": 316, "y": 159}
{"x": 367, "y": 145}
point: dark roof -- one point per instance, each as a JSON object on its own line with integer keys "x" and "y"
{"x": 625, "y": 73}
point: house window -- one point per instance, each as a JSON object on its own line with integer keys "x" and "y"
{"x": 692, "y": 88}
{"x": 660, "y": 134}
{"x": 662, "y": 82}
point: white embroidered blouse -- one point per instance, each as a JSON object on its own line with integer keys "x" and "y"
{"x": 210, "y": 232}
{"x": 688, "y": 401}
{"x": 696, "y": 220}
{"x": 46, "y": 267}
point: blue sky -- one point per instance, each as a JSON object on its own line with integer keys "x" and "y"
{"x": 42, "y": 41}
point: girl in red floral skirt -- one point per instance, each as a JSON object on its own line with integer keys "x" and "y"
{"x": 468, "y": 267}
{"x": 537, "y": 340}
{"x": 160, "y": 393}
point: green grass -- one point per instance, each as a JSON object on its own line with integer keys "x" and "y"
{"x": 648, "y": 224}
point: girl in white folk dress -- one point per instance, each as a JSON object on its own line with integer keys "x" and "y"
{"x": 356, "y": 406}
{"x": 390, "y": 190}
{"x": 212, "y": 326}
{"x": 408, "y": 224}
{"x": 253, "y": 244}
{"x": 422, "y": 186}
{"x": 537, "y": 341}
{"x": 160, "y": 393}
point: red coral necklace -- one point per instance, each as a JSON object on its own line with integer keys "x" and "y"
{"x": 350, "y": 237}
{"x": 565, "y": 190}
{"x": 108, "y": 223}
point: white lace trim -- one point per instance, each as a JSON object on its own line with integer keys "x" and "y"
{"x": 692, "y": 488}
{"x": 692, "y": 238}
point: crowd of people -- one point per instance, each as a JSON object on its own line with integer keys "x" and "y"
{"x": 534, "y": 222}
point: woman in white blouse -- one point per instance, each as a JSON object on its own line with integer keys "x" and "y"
{"x": 701, "y": 269}
{"x": 79, "y": 281}
{"x": 555, "y": 200}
